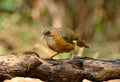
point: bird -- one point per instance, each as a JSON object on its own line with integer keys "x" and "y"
{"x": 62, "y": 40}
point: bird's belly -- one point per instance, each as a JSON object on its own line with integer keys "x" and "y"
{"x": 60, "y": 45}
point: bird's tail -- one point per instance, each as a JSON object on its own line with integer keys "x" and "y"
{"x": 82, "y": 44}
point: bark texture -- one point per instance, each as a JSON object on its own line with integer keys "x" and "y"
{"x": 28, "y": 64}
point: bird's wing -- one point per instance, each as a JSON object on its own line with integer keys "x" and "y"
{"x": 67, "y": 34}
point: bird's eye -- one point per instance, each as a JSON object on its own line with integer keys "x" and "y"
{"x": 47, "y": 33}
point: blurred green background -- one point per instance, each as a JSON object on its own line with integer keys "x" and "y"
{"x": 97, "y": 22}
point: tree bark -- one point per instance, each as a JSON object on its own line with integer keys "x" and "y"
{"x": 75, "y": 69}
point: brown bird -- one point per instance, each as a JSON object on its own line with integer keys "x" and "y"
{"x": 62, "y": 40}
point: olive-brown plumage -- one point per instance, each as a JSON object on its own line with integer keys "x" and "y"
{"x": 62, "y": 40}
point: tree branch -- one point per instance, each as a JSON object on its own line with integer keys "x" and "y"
{"x": 28, "y": 64}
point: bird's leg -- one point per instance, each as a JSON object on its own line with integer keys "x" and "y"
{"x": 74, "y": 52}
{"x": 53, "y": 56}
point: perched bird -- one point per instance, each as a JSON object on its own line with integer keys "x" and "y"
{"x": 62, "y": 40}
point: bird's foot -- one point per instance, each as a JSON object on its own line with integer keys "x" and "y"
{"x": 51, "y": 58}
{"x": 71, "y": 57}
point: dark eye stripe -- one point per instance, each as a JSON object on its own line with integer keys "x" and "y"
{"x": 47, "y": 33}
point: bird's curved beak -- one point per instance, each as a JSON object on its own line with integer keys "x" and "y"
{"x": 42, "y": 37}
